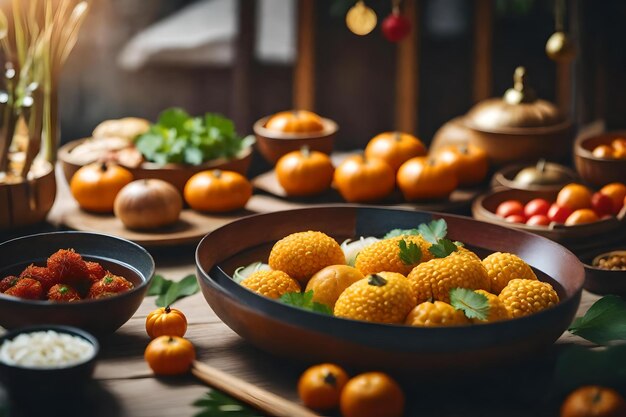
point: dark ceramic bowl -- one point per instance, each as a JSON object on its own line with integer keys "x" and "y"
{"x": 272, "y": 145}
{"x": 101, "y": 316}
{"x": 290, "y": 332}
{"x": 598, "y": 172}
{"x": 25, "y": 383}
{"x": 577, "y": 237}
{"x": 604, "y": 281}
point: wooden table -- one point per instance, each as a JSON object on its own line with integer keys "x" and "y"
{"x": 124, "y": 385}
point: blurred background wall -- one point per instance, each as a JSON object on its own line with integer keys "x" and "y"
{"x": 354, "y": 76}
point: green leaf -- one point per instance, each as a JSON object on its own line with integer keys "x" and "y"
{"x": 401, "y": 232}
{"x": 443, "y": 248}
{"x": 434, "y": 231}
{"x": 411, "y": 254}
{"x": 305, "y": 301}
{"x": 217, "y": 404}
{"x": 159, "y": 285}
{"x": 604, "y": 322}
{"x": 474, "y": 305}
{"x": 177, "y": 290}
{"x": 577, "y": 366}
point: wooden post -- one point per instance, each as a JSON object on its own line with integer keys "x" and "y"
{"x": 304, "y": 71}
{"x": 407, "y": 73}
{"x": 240, "y": 106}
{"x": 564, "y": 86}
{"x": 483, "y": 38}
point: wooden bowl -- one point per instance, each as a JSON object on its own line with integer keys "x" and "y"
{"x": 175, "y": 174}
{"x": 604, "y": 281}
{"x": 27, "y": 203}
{"x": 574, "y": 237}
{"x": 272, "y": 145}
{"x": 100, "y": 316}
{"x": 598, "y": 172}
{"x": 504, "y": 178}
{"x": 518, "y": 144}
{"x": 290, "y": 332}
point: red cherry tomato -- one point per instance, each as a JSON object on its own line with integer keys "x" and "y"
{"x": 536, "y": 206}
{"x": 602, "y": 204}
{"x": 558, "y": 213}
{"x": 509, "y": 208}
{"x": 538, "y": 220}
{"x": 515, "y": 218}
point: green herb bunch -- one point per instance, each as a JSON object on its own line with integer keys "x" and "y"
{"x": 180, "y": 138}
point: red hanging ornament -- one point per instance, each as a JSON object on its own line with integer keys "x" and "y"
{"x": 396, "y": 27}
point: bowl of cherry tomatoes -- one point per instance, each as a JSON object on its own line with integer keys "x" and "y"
{"x": 92, "y": 281}
{"x": 601, "y": 159}
{"x": 572, "y": 216}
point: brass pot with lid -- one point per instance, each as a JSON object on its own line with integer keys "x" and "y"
{"x": 519, "y": 126}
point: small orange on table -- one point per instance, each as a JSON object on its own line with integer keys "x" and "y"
{"x": 360, "y": 179}
{"x": 96, "y": 185}
{"x": 217, "y": 191}
{"x": 594, "y": 401}
{"x": 304, "y": 172}
{"x": 470, "y": 162}
{"x": 320, "y": 386}
{"x": 166, "y": 321}
{"x": 372, "y": 394}
{"x": 422, "y": 178}
{"x": 394, "y": 148}
{"x": 170, "y": 355}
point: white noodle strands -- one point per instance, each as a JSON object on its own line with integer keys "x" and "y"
{"x": 46, "y": 349}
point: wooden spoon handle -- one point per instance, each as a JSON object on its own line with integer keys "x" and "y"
{"x": 263, "y": 400}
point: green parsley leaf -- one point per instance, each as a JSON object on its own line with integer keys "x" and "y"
{"x": 217, "y": 404}
{"x": 401, "y": 232}
{"x": 604, "y": 322}
{"x": 434, "y": 231}
{"x": 159, "y": 285}
{"x": 474, "y": 305}
{"x": 577, "y": 366}
{"x": 304, "y": 300}
{"x": 410, "y": 254}
{"x": 443, "y": 248}
{"x": 170, "y": 291}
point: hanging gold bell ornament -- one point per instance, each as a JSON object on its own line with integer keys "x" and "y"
{"x": 361, "y": 19}
{"x": 560, "y": 47}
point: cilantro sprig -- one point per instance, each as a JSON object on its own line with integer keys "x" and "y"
{"x": 435, "y": 233}
{"x": 472, "y": 304}
{"x": 168, "y": 291}
{"x": 410, "y": 254}
{"x": 304, "y": 300}
{"x": 217, "y": 404}
{"x": 180, "y": 138}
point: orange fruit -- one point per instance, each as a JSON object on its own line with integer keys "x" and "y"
{"x": 574, "y": 197}
{"x": 437, "y": 314}
{"x": 385, "y": 297}
{"x": 302, "y": 254}
{"x": 617, "y": 192}
{"x": 593, "y": 401}
{"x": 526, "y": 296}
{"x": 272, "y": 284}
{"x": 581, "y": 216}
{"x": 297, "y": 121}
{"x": 395, "y": 148}
{"x": 384, "y": 255}
{"x": 320, "y": 386}
{"x": 328, "y": 283}
{"x": 619, "y": 144}
{"x": 604, "y": 152}
{"x": 304, "y": 172}
{"x": 373, "y": 394}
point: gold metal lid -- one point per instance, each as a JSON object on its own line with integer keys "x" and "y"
{"x": 518, "y": 108}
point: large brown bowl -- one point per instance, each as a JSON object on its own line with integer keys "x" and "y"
{"x": 175, "y": 174}
{"x": 598, "y": 172}
{"x": 101, "y": 316}
{"x": 272, "y": 145}
{"x": 291, "y": 332}
{"x": 576, "y": 237}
